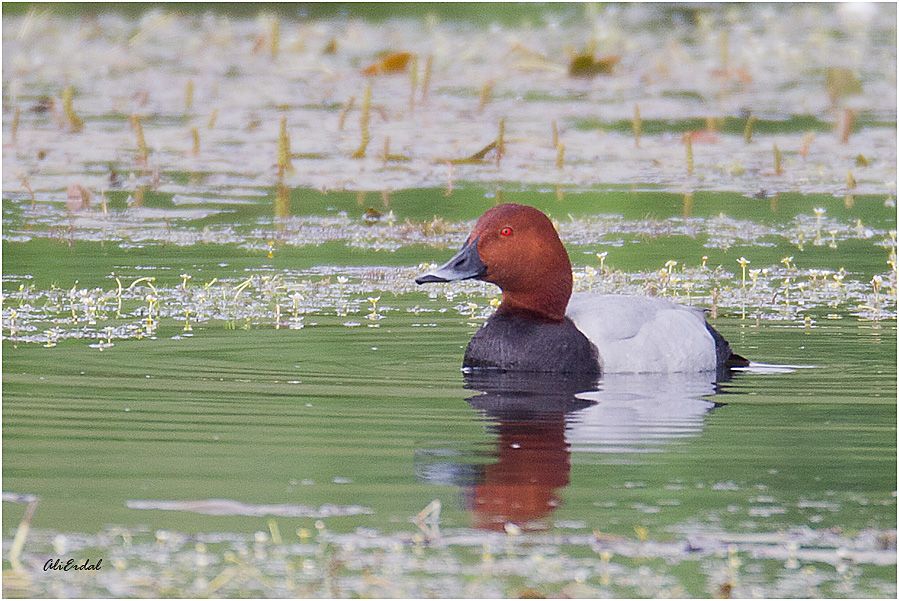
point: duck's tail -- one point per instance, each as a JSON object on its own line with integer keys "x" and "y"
{"x": 726, "y": 357}
{"x": 736, "y": 360}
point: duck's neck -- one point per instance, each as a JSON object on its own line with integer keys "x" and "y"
{"x": 546, "y": 298}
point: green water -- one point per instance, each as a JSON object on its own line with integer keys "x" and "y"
{"x": 224, "y": 382}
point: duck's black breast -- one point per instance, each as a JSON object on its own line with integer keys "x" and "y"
{"x": 514, "y": 342}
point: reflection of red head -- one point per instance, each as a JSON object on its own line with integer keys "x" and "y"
{"x": 534, "y": 461}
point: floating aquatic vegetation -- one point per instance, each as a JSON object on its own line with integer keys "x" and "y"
{"x": 587, "y": 65}
{"x": 138, "y": 311}
{"x": 389, "y": 62}
{"x": 183, "y": 226}
{"x": 429, "y": 559}
{"x": 789, "y": 104}
{"x": 841, "y": 82}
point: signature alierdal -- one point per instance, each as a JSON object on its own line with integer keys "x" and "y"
{"x": 71, "y": 564}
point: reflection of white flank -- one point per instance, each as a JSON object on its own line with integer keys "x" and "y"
{"x": 640, "y": 412}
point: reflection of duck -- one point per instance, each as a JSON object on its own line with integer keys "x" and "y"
{"x": 642, "y": 412}
{"x": 540, "y": 419}
{"x": 540, "y": 327}
{"x": 533, "y": 458}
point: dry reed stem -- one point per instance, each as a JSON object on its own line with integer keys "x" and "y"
{"x": 364, "y": 121}
{"x": 284, "y": 163}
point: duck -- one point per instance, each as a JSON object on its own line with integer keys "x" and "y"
{"x": 540, "y": 326}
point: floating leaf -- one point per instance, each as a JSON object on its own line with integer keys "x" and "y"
{"x": 862, "y": 161}
{"x": 585, "y": 65}
{"x": 394, "y": 62}
{"x": 841, "y": 82}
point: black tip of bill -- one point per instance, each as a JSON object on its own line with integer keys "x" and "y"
{"x": 465, "y": 265}
{"x": 429, "y": 278}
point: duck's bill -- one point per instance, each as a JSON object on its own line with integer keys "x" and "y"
{"x": 465, "y": 265}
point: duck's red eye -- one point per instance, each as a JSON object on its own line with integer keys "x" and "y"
{"x": 506, "y": 231}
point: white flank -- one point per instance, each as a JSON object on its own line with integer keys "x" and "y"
{"x": 636, "y": 334}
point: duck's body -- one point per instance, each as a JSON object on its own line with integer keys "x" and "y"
{"x": 514, "y": 342}
{"x": 541, "y": 327}
{"x": 602, "y": 333}
{"x": 643, "y": 334}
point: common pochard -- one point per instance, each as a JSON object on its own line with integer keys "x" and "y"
{"x": 541, "y": 327}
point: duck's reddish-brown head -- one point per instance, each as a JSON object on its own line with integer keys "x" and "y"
{"x": 517, "y": 248}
